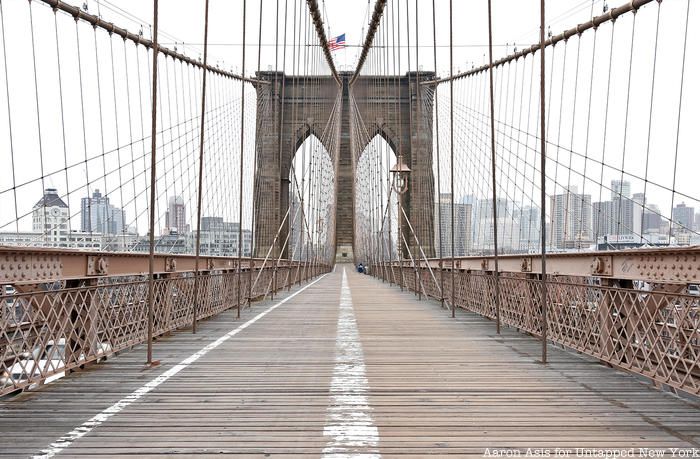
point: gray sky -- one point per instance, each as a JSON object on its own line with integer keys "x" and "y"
{"x": 515, "y": 23}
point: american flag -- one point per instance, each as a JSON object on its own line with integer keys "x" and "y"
{"x": 337, "y": 42}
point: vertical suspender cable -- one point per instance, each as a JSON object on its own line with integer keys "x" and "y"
{"x": 399, "y": 217}
{"x": 402, "y": 211}
{"x": 9, "y": 117}
{"x": 280, "y": 125}
{"x": 437, "y": 144}
{"x": 452, "y": 176}
{"x": 152, "y": 216}
{"x": 44, "y": 224}
{"x": 543, "y": 160}
{"x": 423, "y": 230}
{"x": 240, "y": 172}
{"x": 651, "y": 118}
{"x": 255, "y": 165}
{"x": 497, "y": 292}
{"x": 678, "y": 122}
{"x": 201, "y": 169}
{"x": 63, "y": 122}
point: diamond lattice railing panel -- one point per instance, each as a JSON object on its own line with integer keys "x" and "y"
{"x": 63, "y": 326}
{"x": 651, "y": 332}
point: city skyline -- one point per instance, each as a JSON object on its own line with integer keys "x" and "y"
{"x": 51, "y": 218}
{"x": 575, "y": 222}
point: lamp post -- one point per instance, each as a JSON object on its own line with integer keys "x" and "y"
{"x": 400, "y": 173}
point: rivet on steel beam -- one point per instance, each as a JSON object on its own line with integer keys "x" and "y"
{"x": 170, "y": 264}
{"x": 102, "y": 265}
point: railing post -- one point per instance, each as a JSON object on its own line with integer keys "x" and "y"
{"x": 240, "y": 166}
{"x": 497, "y": 298}
{"x": 152, "y": 210}
{"x": 200, "y": 174}
{"x": 273, "y": 290}
{"x": 543, "y": 163}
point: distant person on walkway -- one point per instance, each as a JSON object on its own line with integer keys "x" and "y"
{"x": 360, "y": 268}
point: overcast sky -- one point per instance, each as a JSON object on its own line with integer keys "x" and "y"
{"x": 181, "y": 25}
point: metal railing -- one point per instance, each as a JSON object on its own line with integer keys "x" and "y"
{"x": 50, "y": 324}
{"x": 631, "y": 309}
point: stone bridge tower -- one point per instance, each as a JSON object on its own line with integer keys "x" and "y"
{"x": 288, "y": 114}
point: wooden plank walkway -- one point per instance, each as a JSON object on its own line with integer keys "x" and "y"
{"x": 346, "y": 368}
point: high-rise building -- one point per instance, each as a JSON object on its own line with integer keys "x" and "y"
{"x": 472, "y": 201}
{"x": 602, "y": 218}
{"x": 297, "y": 236}
{"x": 614, "y": 217}
{"x": 623, "y": 218}
{"x": 652, "y": 222}
{"x": 570, "y": 220}
{"x": 639, "y": 201}
{"x": 220, "y": 238}
{"x": 619, "y": 215}
{"x": 683, "y": 218}
{"x": 529, "y": 218}
{"x": 176, "y": 216}
{"x": 483, "y": 221}
{"x": 509, "y": 223}
{"x": 620, "y": 189}
{"x": 463, "y": 226}
{"x": 97, "y": 215}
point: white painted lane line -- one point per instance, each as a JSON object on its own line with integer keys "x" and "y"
{"x": 100, "y": 418}
{"x": 349, "y": 425}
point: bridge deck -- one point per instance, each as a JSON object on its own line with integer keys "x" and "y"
{"x": 344, "y": 365}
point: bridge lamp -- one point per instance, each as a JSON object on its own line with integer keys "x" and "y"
{"x": 400, "y": 173}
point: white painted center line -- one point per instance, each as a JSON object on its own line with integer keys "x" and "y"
{"x": 349, "y": 424}
{"x": 100, "y": 418}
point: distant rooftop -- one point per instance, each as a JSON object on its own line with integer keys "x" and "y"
{"x": 50, "y": 199}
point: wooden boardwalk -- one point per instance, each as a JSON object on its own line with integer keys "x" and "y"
{"x": 348, "y": 367}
